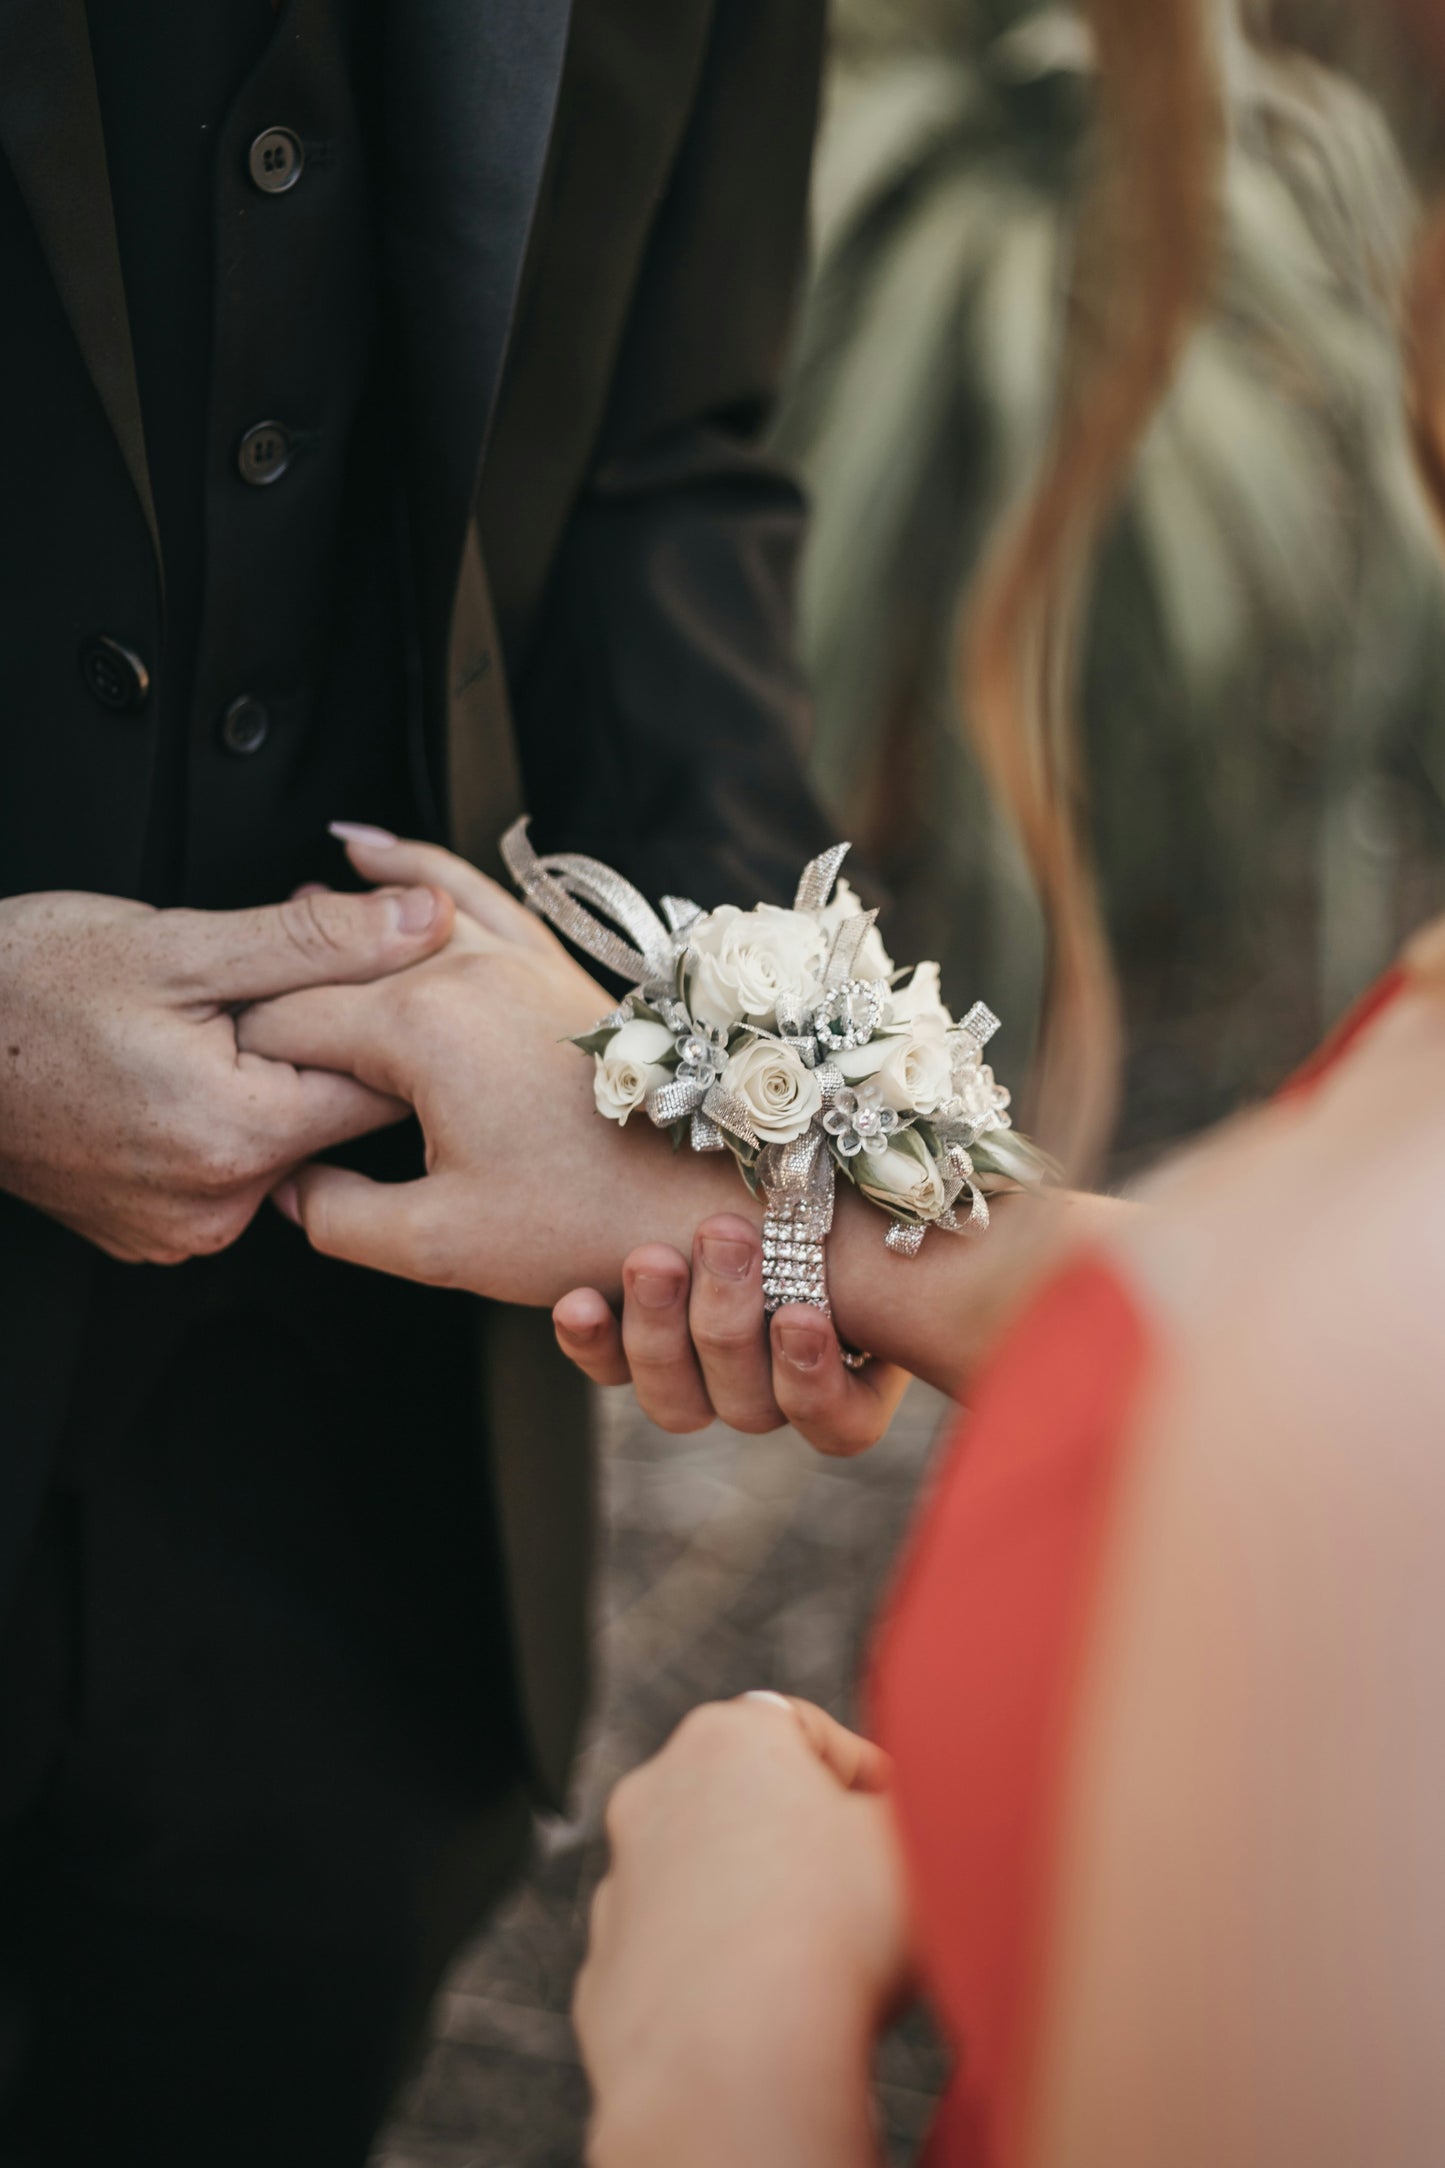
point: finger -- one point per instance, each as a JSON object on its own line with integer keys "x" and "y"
{"x": 316, "y": 940}
{"x": 306, "y": 1111}
{"x": 590, "y": 1336}
{"x": 857, "y": 1763}
{"x": 657, "y": 1342}
{"x": 380, "y": 856}
{"x": 729, "y": 1329}
{"x": 390, "y": 1226}
{"x": 325, "y": 1027}
{"x": 839, "y": 1411}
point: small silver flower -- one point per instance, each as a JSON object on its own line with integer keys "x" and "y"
{"x": 858, "y": 1121}
{"x": 702, "y": 1050}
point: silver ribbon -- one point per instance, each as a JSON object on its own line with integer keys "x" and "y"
{"x": 560, "y": 885}
{"x": 686, "y": 1098}
{"x": 848, "y": 939}
{"x": 815, "y": 884}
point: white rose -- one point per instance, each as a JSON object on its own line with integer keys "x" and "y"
{"x": 905, "y": 1176}
{"x": 913, "y": 1069}
{"x": 743, "y": 963}
{"x": 631, "y": 1067}
{"x": 920, "y": 999}
{"x": 781, "y": 1096}
{"x": 874, "y": 961}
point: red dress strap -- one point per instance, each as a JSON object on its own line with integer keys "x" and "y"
{"x": 1341, "y": 1040}
{"x": 976, "y": 1671}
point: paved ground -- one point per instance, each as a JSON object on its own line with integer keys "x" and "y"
{"x": 731, "y": 1562}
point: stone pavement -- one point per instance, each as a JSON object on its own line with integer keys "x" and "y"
{"x": 730, "y": 1562}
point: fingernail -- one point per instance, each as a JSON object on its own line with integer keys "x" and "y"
{"x": 803, "y": 1349}
{"x": 309, "y": 888}
{"x": 416, "y": 911}
{"x": 285, "y": 1200}
{"x": 727, "y": 1260}
{"x": 587, "y": 1328}
{"x": 655, "y": 1290}
{"x": 380, "y": 839}
{"x": 765, "y": 1693}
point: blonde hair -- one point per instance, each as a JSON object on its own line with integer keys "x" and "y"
{"x": 1143, "y": 256}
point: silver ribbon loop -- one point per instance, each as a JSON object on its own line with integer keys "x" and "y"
{"x": 560, "y": 884}
{"x": 681, "y": 913}
{"x": 980, "y": 1024}
{"x": 730, "y": 1113}
{"x": 816, "y": 883}
{"x": 676, "y": 1101}
{"x": 848, "y": 939}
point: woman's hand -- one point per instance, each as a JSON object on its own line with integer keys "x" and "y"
{"x": 748, "y": 1943}
{"x": 697, "y": 1348}
{"x": 526, "y": 1190}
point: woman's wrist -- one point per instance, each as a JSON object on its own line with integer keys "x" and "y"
{"x": 779, "y": 2095}
{"x": 935, "y": 1315}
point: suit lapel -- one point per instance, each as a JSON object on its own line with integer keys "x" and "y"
{"x": 50, "y": 130}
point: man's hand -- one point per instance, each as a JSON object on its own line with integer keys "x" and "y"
{"x": 748, "y": 1942}
{"x": 696, "y": 1346}
{"x": 127, "y": 1110}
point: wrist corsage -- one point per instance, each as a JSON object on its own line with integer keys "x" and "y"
{"x": 790, "y": 1039}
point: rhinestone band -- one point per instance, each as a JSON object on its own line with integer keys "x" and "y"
{"x": 793, "y": 1235}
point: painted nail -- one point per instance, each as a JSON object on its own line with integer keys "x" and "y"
{"x": 378, "y": 839}
{"x": 656, "y": 1290}
{"x": 416, "y": 911}
{"x": 777, "y": 1701}
{"x": 727, "y": 1260}
{"x": 801, "y": 1348}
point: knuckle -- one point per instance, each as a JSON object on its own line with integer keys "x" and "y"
{"x": 222, "y": 1165}
{"x": 201, "y": 1229}
{"x": 317, "y": 926}
{"x": 711, "y": 1730}
{"x": 833, "y": 1432}
{"x": 679, "y": 1414}
{"x": 757, "y": 1422}
{"x": 432, "y": 1252}
{"x": 721, "y": 1334}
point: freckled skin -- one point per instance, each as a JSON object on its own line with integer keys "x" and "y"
{"x": 127, "y": 1111}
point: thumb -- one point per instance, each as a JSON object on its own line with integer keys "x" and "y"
{"x": 390, "y": 1226}
{"x": 857, "y": 1763}
{"x": 310, "y": 940}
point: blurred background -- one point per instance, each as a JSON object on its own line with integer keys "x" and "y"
{"x": 1264, "y": 705}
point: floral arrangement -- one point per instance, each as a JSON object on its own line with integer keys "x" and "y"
{"x": 791, "y": 1039}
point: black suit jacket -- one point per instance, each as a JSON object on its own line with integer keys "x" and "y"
{"x": 594, "y": 220}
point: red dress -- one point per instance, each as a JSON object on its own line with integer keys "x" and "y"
{"x": 978, "y": 1659}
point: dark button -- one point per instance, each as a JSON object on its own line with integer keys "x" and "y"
{"x": 275, "y": 160}
{"x": 117, "y": 677}
{"x": 264, "y": 454}
{"x": 245, "y": 726}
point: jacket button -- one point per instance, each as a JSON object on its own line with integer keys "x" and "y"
{"x": 275, "y": 160}
{"x": 245, "y": 726}
{"x": 115, "y": 675}
{"x": 264, "y": 454}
